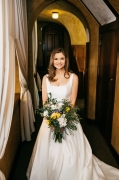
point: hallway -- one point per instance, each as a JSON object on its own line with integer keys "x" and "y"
{"x": 97, "y": 142}
{"x": 89, "y": 33}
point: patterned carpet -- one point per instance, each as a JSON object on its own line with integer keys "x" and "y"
{"x": 97, "y": 142}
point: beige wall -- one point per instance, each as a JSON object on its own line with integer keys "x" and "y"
{"x": 75, "y": 28}
{"x": 93, "y": 60}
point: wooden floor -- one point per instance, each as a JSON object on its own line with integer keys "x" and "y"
{"x": 97, "y": 142}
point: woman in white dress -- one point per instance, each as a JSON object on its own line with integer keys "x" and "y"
{"x": 72, "y": 159}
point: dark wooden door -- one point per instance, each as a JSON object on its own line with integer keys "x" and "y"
{"x": 106, "y": 82}
{"x": 53, "y": 37}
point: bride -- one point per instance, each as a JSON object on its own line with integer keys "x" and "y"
{"x": 72, "y": 159}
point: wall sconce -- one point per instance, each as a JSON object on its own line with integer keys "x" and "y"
{"x": 55, "y": 15}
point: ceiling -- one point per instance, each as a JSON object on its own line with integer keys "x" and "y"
{"x": 70, "y": 17}
{"x": 100, "y": 11}
{"x": 103, "y": 11}
{"x": 63, "y": 7}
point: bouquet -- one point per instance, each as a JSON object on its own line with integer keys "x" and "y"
{"x": 60, "y": 116}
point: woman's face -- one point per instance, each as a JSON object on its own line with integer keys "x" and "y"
{"x": 59, "y": 61}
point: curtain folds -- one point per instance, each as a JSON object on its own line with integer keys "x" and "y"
{"x": 21, "y": 42}
{"x": 13, "y": 36}
{"x": 34, "y": 52}
{"x": 7, "y": 71}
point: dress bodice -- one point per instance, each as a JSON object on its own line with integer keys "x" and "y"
{"x": 60, "y": 92}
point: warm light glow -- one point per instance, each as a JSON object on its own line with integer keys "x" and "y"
{"x": 55, "y": 15}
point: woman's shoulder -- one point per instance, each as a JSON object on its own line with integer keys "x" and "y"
{"x": 45, "y": 76}
{"x": 74, "y": 78}
{"x": 73, "y": 74}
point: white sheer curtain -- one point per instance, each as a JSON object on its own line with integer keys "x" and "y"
{"x": 7, "y": 71}
{"x": 26, "y": 112}
{"x": 35, "y": 52}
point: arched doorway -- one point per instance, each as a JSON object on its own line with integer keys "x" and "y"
{"x": 90, "y": 23}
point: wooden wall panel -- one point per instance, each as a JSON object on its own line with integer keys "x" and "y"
{"x": 106, "y": 83}
{"x": 79, "y": 52}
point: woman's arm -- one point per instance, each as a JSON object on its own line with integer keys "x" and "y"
{"x": 44, "y": 90}
{"x": 74, "y": 90}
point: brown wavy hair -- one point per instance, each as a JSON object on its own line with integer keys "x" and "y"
{"x": 52, "y": 69}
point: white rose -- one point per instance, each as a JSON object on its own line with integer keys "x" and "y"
{"x": 62, "y": 121}
{"x": 54, "y": 106}
{"x": 45, "y": 113}
{"x": 60, "y": 104}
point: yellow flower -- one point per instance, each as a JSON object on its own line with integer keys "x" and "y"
{"x": 67, "y": 109}
{"x": 48, "y": 122}
{"x": 55, "y": 115}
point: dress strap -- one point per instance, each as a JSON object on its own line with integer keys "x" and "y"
{"x": 71, "y": 79}
{"x": 47, "y": 82}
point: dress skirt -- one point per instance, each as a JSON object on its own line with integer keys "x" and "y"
{"x": 70, "y": 160}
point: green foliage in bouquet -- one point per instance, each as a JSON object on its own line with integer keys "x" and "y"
{"x": 60, "y": 116}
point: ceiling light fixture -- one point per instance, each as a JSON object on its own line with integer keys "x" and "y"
{"x": 55, "y": 15}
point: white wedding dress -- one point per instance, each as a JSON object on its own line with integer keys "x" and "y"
{"x": 70, "y": 160}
